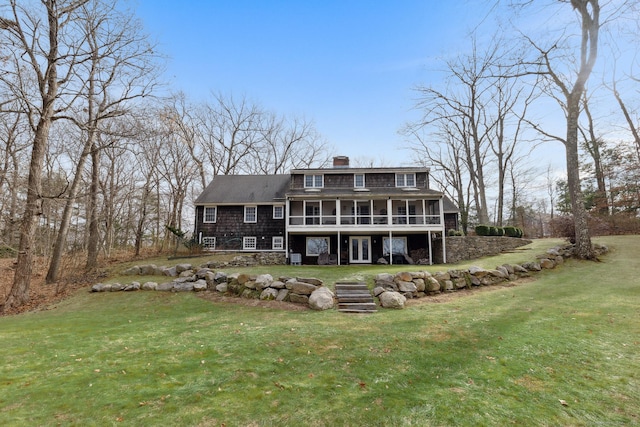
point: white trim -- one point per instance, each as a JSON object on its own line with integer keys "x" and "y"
{"x": 404, "y": 176}
{"x": 209, "y": 243}
{"x": 314, "y": 184}
{"x": 355, "y": 180}
{"x": 204, "y": 214}
{"x": 277, "y": 247}
{"x": 306, "y": 244}
{"x": 246, "y": 243}
{"x": 255, "y": 207}
{"x": 274, "y": 211}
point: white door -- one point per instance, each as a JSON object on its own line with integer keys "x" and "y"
{"x": 359, "y": 249}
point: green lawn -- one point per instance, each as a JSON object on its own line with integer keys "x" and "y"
{"x": 561, "y": 350}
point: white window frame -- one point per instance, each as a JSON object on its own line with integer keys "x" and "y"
{"x": 355, "y": 180}
{"x": 277, "y": 243}
{"x": 386, "y": 246}
{"x": 326, "y": 239}
{"x": 255, "y": 214}
{"x": 316, "y": 181}
{"x": 204, "y": 214}
{"x": 281, "y": 209}
{"x": 402, "y": 181}
{"x": 247, "y": 244}
{"x": 209, "y": 243}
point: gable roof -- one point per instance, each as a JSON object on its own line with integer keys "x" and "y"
{"x": 243, "y": 189}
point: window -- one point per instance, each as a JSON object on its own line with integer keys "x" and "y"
{"x": 313, "y": 181}
{"x": 317, "y": 245}
{"x": 277, "y": 242}
{"x": 395, "y": 245}
{"x": 249, "y": 243}
{"x": 312, "y": 213}
{"x": 209, "y": 243}
{"x": 250, "y": 214}
{"x": 358, "y": 180}
{"x": 209, "y": 214}
{"x": 405, "y": 180}
{"x": 278, "y": 212}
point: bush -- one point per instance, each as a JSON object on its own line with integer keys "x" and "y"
{"x": 482, "y": 230}
{"x": 510, "y": 231}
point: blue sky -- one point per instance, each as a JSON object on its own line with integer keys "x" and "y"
{"x": 350, "y": 66}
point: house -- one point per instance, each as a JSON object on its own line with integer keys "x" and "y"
{"x": 335, "y": 215}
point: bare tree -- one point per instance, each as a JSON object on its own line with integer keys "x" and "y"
{"x": 476, "y": 124}
{"x": 36, "y": 37}
{"x": 119, "y": 69}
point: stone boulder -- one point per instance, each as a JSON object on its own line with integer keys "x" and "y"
{"x": 321, "y": 299}
{"x": 149, "y": 286}
{"x": 183, "y": 267}
{"x": 392, "y": 300}
{"x": 200, "y": 285}
{"x": 302, "y": 288}
{"x": 311, "y": 280}
{"x": 269, "y": 294}
{"x": 406, "y": 287}
{"x": 263, "y": 281}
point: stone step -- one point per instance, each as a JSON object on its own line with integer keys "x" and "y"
{"x": 354, "y": 297}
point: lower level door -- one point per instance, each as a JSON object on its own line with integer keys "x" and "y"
{"x": 359, "y": 249}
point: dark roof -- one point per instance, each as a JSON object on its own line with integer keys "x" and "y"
{"x": 448, "y": 206}
{"x": 242, "y": 189}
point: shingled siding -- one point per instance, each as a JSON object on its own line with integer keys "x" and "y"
{"x": 372, "y": 180}
{"x": 230, "y": 228}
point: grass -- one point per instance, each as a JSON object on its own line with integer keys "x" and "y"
{"x": 562, "y": 350}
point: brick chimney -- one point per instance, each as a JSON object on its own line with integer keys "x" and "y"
{"x": 341, "y": 162}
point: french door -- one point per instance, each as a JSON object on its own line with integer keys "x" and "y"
{"x": 360, "y": 249}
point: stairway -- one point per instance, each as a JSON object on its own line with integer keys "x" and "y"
{"x": 354, "y": 297}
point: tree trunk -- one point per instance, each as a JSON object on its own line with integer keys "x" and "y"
{"x": 583, "y": 248}
{"x": 19, "y": 294}
{"x": 63, "y": 232}
{"x": 94, "y": 237}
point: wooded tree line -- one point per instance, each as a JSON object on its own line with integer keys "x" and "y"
{"x": 93, "y": 158}
{"x": 502, "y": 99}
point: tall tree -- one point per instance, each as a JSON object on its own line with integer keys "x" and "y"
{"x": 34, "y": 35}
{"x": 571, "y": 85}
{"x": 119, "y": 69}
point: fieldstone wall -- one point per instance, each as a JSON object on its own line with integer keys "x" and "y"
{"x": 393, "y": 290}
{"x": 187, "y": 278}
{"x": 460, "y": 248}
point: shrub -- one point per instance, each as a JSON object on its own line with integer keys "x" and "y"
{"x": 482, "y": 230}
{"x": 510, "y": 231}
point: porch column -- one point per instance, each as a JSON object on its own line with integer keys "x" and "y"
{"x": 444, "y": 231}
{"x": 287, "y": 212}
{"x": 430, "y": 248}
{"x": 339, "y": 246}
{"x": 338, "y": 211}
{"x": 390, "y": 247}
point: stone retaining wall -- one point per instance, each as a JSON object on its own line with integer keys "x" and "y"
{"x": 460, "y": 248}
{"x": 392, "y": 290}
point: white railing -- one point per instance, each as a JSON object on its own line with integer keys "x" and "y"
{"x": 364, "y": 220}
